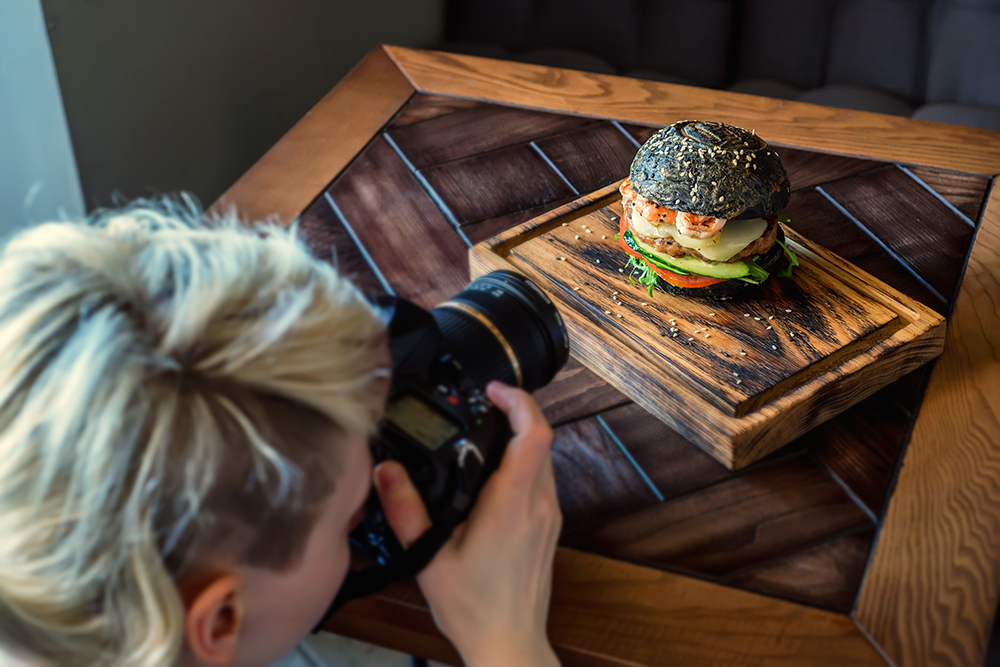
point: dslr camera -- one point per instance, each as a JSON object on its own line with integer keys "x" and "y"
{"x": 438, "y": 423}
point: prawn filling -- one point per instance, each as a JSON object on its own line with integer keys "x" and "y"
{"x": 688, "y": 224}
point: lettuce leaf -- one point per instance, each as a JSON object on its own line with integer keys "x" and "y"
{"x": 793, "y": 261}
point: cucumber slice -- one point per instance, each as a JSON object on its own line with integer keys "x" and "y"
{"x": 688, "y": 263}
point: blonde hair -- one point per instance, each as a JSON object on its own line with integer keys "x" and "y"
{"x": 163, "y": 384}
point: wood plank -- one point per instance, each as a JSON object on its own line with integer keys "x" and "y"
{"x": 423, "y": 107}
{"x": 861, "y": 446}
{"x": 476, "y": 130}
{"x": 595, "y": 481}
{"x": 820, "y": 221}
{"x": 794, "y": 124}
{"x": 328, "y": 240}
{"x": 827, "y": 575}
{"x": 674, "y": 464}
{"x": 733, "y": 524}
{"x": 590, "y": 157}
{"x": 478, "y": 232}
{"x": 966, "y": 192}
{"x": 910, "y": 221}
{"x": 576, "y": 392}
{"x": 418, "y": 252}
{"x": 640, "y": 132}
{"x": 644, "y": 617}
{"x": 933, "y": 584}
{"x": 808, "y": 168}
{"x": 496, "y": 183}
{"x": 304, "y": 161}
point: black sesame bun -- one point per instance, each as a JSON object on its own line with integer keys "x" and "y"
{"x": 713, "y": 169}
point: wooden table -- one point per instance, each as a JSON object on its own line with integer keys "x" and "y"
{"x": 873, "y": 538}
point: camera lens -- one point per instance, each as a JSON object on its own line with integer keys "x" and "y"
{"x": 503, "y": 327}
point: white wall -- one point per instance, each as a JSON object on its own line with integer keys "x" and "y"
{"x": 38, "y": 175}
{"x": 164, "y": 95}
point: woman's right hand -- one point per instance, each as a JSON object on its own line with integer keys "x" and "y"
{"x": 489, "y": 586}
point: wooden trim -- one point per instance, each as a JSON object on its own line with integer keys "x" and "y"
{"x": 304, "y": 161}
{"x": 932, "y": 587}
{"x": 856, "y": 133}
{"x": 608, "y": 612}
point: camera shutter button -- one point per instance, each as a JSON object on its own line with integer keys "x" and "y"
{"x": 463, "y": 448}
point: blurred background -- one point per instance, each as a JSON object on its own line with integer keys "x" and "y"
{"x": 105, "y": 97}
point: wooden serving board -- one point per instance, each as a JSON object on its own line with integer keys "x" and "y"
{"x": 739, "y": 378}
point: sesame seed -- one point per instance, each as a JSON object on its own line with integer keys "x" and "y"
{"x": 721, "y": 198}
{"x": 711, "y": 314}
{"x": 791, "y": 335}
{"x": 742, "y": 353}
{"x": 725, "y": 355}
{"x": 739, "y": 382}
{"x": 708, "y": 335}
{"x": 735, "y": 162}
{"x": 714, "y": 183}
{"x": 619, "y": 314}
{"x": 604, "y": 236}
{"x": 646, "y": 304}
{"x": 584, "y": 226}
{"x": 598, "y": 261}
{"x": 690, "y": 339}
{"x": 757, "y": 318}
{"x": 613, "y": 293}
{"x": 768, "y": 327}
{"x": 774, "y": 347}
{"x": 607, "y": 312}
{"x": 674, "y": 336}
{"x": 560, "y": 259}
{"x": 746, "y": 314}
{"x": 576, "y": 289}
{"x": 771, "y": 318}
{"x": 788, "y": 310}
{"x": 755, "y": 166}
{"x": 682, "y": 173}
{"x": 736, "y": 374}
{"x": 589, "y": 232}
{"x": 577, "y": 236}
{"x": 621, "y": 270}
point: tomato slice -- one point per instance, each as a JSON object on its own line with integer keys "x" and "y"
{"x": 675, "y": 279}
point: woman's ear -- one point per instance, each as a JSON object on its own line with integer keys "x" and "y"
{"x": 214, "y": 618}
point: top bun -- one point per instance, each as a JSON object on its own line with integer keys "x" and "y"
{"x": 713, "y": 169}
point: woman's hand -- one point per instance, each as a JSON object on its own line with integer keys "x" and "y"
{"x": 489, "y": 586}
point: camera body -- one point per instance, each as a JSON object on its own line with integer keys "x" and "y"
{"x": 439, "y": 423}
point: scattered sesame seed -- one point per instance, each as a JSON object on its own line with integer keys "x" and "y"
{"x": 690, "y": 339}
{"x": 771, "y": 318}
{"x": 774, "y": 347}
{"x": 577, "y": 236}
{"x": 739, "y": 382}
{"x": 788, "y": 310}
{"x": 598, "y": 261}
{"x": 755, "y": 166}
{"x": 619, "y": 314}
{"x": 674, "y": 336}
{"x": 721, "y": 198}
{"x": 768, "y": 327}
{"x": 757, "y": 318}
{"x": 742, "y": 353}
{"x": 644, "y": 303}
{"x": 725, "y": 355}
{"x": 735, "y": 162}
{"x": 576, "y": 289}
{"x": 736, "y": 374}
{"x": 708, "y": 335}
{"x": 560, "y": 259}
{"x": 584, "y": 226}
{"x": 621, "y": 270}
{"x": 714, "y": 183}
{"x": 589, "y": 232}
{"x": 614, "y": 292}
{"x": 711, "y": 314}
{"x": 746, "y": 314}
{"x": 604, "y": 236}
{"x": 607, "y": 312}
{"x": 791, "y": 335}
{"x": 565, "y": 224}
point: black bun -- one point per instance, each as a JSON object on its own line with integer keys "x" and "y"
{"x": 709, "y": 168}
{"x": 731, "y": 289}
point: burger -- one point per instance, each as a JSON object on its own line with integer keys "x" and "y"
{"x": 701, "y": 206}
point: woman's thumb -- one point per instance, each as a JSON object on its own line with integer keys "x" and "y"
{"x": 403, "y": 507}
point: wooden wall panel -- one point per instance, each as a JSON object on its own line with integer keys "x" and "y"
{"x": 590, "y": 157}
{"x": 412, "y": 243}
{"x": 966, "y": 192}
{"x": 423, "y": 107}
{"x": 328, "y": 239}
{"x": 808, "y": 168}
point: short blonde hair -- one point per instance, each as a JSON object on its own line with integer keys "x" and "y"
{"x": 163, "y": 380}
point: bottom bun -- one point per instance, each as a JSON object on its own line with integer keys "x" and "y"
{"x": 731, "y": 289}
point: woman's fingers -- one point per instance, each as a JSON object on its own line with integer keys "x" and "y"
{"x": 530, "y": 448}
{"x": 404, "y": 509}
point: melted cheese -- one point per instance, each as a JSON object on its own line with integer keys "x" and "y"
{"x": 734, "y": 237}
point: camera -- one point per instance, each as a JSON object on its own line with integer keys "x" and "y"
{"x": 438, "y": 423}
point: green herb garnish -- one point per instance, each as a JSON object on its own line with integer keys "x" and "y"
{"x": 793, "y": 261}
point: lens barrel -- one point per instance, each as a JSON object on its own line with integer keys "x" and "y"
{"x": 503, "y": 327}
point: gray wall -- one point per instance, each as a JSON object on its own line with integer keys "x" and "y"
{"x": 168, "y": 95}
{"x": 37, "y": 174}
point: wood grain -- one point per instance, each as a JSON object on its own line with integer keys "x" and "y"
{"x": 733, "y": 524}
{"x": 423, "y": 107}
{"x": 793, "y": 124}
{"x": 966, "y": 192}
{"x": 674, "y": 464}
{"x": 414, "y": 246}
{"x": 910, "y": 221}
{"x": 576, "y": 392}
{"x": 819, "y": 220}
{"x": 478, "y": 232}
{"x": 827, "y": 575}
{"x": 304, "y": 161}
{"x": 496, "y": 183}
{"x": 934, "y": 581}
{"x": 475, "y": 131}
{"x": 328, "y": 240}
{"x": 590, "y": 157}
{"x": 596, "y": 482}
{"x": 808, "y": 168}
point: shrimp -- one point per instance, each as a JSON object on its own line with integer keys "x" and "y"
{"x": 652, "y": 212}
{"x": 698, "y": 226}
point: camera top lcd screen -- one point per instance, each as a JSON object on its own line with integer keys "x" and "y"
{"x": 421, "y": 421}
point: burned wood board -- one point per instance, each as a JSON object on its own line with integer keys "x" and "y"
{"x": 741, "y": 377}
